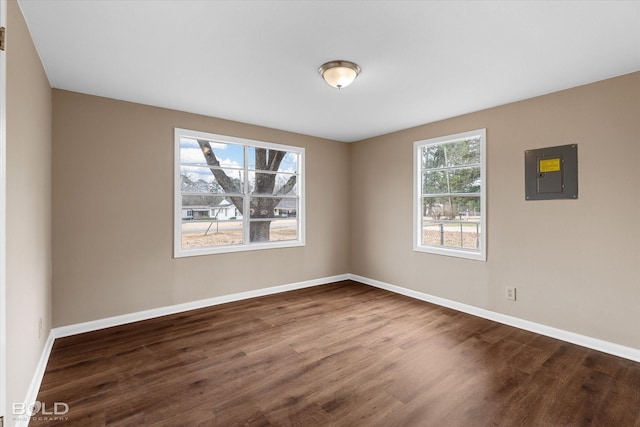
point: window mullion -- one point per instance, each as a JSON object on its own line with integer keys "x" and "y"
{"x": 246, "y": 201}
{"x": 448, "y": 168}
{"x": 477, "y": 194}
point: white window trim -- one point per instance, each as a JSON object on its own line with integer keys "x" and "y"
{"x": 3, "y": 219}
{"x": 179, "y": 252}
{"x": 418, "y": 246}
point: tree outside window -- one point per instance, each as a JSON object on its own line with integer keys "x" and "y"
{"x": 449, "y": 207}
{"x": 248, "y": 194}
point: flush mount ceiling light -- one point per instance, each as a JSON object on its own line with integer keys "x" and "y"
{"x": 339, "y": 74}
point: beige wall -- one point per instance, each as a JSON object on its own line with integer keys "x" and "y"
{"x": 575, "y": 263}
{"x": 28, "y": 207}
{"x": 113, "y": 213}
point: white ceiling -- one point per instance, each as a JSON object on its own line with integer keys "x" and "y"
{"x": 257, "y": 61}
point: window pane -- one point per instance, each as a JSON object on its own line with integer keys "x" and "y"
{"x": 433, "y": 157}
{"x": 452, "y": 234}
{"x": 202, "y": 234}
{"x": 228, "y": 155}
{"x": 274, "y": 231}
{"x": 286, "y": 208}
{"x": 204, "y": 207}
{"x": 198, "y": 180}
{"x": 267, "y": 160}
{"x": 451, "y": 208}
{"x": 434, "y": 182}
{"x": 459, "y": 153}
{"x": 451, "y": 222}
{"x": 273, "y": 183}
{"x": 273, "y": 207}
{"x": 289, "y": 163}
{"x": 465, "y": 180}
{"x": 202, "y": 179}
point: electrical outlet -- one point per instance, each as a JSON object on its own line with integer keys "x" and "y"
{"x": 511, "y": 293}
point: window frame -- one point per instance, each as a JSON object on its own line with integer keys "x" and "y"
{"x": 179, "y": 252}
{"x": 418, "y": 246}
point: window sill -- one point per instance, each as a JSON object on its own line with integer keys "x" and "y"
{"x": 184, "y": 253}
{"x": 452, "y": 252}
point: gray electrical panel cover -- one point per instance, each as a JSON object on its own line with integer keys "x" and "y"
{"x": 551, "y": 173}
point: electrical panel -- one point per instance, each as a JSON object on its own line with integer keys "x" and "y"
{"x": 551, "y": 173}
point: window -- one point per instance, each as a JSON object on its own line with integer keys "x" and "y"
{"x": 234, "y": 194}
{"x": 449, "y": 201}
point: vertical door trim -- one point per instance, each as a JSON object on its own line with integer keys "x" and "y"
{"x": 3, "y": 217}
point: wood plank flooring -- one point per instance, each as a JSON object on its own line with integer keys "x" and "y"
{"x": 343, "y": 354}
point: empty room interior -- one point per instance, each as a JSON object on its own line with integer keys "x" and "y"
{"x": 367, "y": 213}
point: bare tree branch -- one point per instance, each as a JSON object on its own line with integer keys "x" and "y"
{"x": 261, "y": 207}
{"x": 223, "y": 179}
{"x": 287, "y": 186}
{"x": 275, "y": 158}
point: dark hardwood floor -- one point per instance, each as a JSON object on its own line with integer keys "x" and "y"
{"x": 343, "y": 354}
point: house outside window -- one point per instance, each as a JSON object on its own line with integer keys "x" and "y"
{"x": 450, "y": 195}
{"x": 230, "y": 193}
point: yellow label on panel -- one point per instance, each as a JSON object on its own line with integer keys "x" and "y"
{"x": 550, "y": 165}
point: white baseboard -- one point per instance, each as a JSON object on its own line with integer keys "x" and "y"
{"x": 574, "y": 338}
{"x": 95, "y": 325}
{"x": 64, "y": 331}
{"x": 34, "y": 386}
